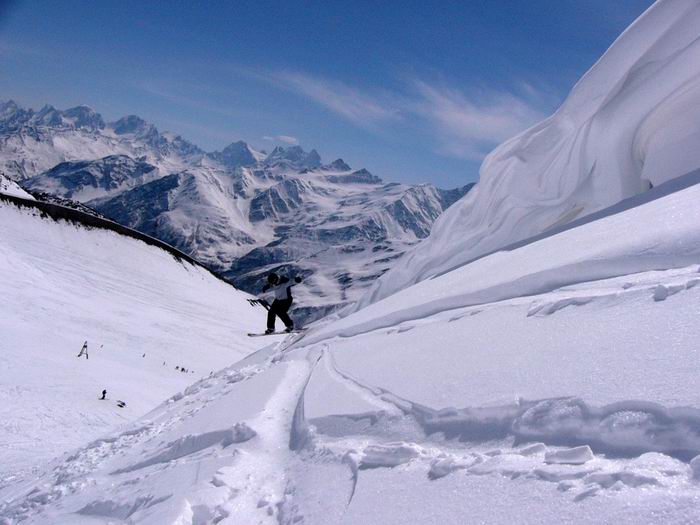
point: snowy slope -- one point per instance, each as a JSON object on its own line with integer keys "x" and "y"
{"x": 142, "y": 312}
{"x": 631, "y": 121}
{"x": 10, "y": 187}
{"x": 480, "y": 396}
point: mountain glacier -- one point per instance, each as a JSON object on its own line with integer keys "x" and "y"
{"x": 240, "y": 211}
{"x": 630, "y": 123}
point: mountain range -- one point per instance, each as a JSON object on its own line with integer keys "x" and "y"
{"x": 240, "y": 211}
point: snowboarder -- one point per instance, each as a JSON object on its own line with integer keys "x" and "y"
{"x": 84, "y": 351}
{"x": 104, "y": 394}
{"x": 281, "y": 288}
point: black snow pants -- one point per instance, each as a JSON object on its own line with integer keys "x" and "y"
{"x": 279, "y": 308}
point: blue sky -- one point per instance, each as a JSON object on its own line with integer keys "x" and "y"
{"x": 415, "y": 91}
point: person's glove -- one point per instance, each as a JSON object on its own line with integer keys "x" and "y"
{"x": 261, "y": 302}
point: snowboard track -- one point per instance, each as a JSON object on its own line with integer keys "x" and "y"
{"x": 583, "y": 449}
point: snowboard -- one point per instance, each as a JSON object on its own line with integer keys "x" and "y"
{"x": 283, "y": 332}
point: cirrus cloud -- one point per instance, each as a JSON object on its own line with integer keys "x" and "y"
{"x": 464, "y": 126}
{"x": 287, "y": 139}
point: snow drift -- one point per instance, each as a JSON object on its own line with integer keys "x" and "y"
{"x": 631, "y": 122}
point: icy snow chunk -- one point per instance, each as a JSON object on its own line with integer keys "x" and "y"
{"x": 389, "y": 455}
{"x": 444, "y": 465}
{"x": 550, "y": 307}
{"x": 570, "y": 456}
{"x": 561, "y": 472}
{"x": 193, "y": 443}
{"x": 630, "y": 479}
{"x": 552, "y": 417}
{"x": 537, "y": 448}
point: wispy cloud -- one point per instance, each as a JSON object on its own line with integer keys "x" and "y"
{"x": 462, "y": 123}
{"x": 471, "y": 127}
{"x": 167, "y": 92}
{"x": 464, "y": 126}
{"x": 287, "y": 139}
{"x": 359, "y": 107}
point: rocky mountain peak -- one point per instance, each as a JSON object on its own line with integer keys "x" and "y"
{"x": 235, "y": 155}
{"x": 131, "y": 124}
{"x": 337, "y": 165}
{"x": 7, "y": 108}
{"x": 84, "y": 117}
{"x": 294, "y": 156}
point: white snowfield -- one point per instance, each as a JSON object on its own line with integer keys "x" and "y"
{"x": 480, "y": 396}
{"x": 631, "y": 121}
{"x": 142, "y": 312}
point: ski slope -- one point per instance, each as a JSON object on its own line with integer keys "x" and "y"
{"x": 479, "y": 396}
{"x": 142, "y": 312}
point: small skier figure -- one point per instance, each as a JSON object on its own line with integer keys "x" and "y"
{"x": 104, "y": 394}
{"x": 84, "y": 351}
{"x": 281, "y": 288}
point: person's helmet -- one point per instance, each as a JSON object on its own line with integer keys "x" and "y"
{"x": 272, "y": 278}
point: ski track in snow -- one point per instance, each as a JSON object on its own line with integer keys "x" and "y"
{"x": 250, "y": 468}
{"x": 253, "y": 485}
{"x": 451, "y": 440}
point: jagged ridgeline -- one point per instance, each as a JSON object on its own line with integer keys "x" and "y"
{"x": 240, "y": 211}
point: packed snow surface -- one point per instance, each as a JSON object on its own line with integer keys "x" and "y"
{"x": 632, "y": 121}
{"x": 142, "y": 313}
{"x": 480, "y": 396}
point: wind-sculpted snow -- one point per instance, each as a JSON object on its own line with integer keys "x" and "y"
{"x": 632, "y": 121}
{"x": 576, "y": 255}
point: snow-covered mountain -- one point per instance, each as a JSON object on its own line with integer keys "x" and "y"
{"x": 32, "y": 142}
{"x": 339, "y": 228}
{"x": 240, "y": 211}
{"x": 87, "y": 180}
{"x": 631, "y": 122}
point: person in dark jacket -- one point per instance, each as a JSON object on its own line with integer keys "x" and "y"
{"x": 281, "y": 289}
